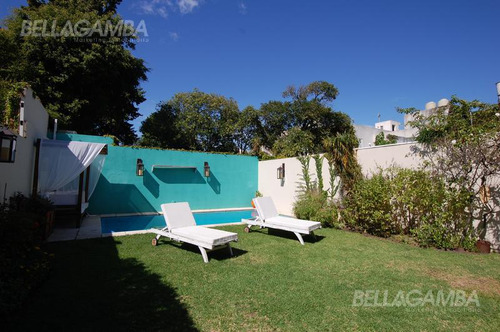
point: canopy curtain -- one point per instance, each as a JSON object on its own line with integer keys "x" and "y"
{"x": 62, "y": 162}
{"x": 95, "y": 172}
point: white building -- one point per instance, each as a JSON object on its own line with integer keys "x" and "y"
{"x": 367, "y": 134}
{"x": 17, "y": 176}
{"x": 389, "y": 125}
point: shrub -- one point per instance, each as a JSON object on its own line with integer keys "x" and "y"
{"x": 23, "y": 264}
{"x": 308, "y": 205}
{"x": 435, "y": 235}
{"x": 411, "y": 202}
{"x": 450, "y": 226}
{"x": 314, "y": 203}
{"x": 315, "y": 206}
{"x": 368, "y": 208}
{"x": 416, "y": 197}
{"x": 328, "y": 216}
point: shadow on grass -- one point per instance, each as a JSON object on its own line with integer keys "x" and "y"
{"x": 289, "y": 235}
{"x": 92, "y": 289}
{"x": 219, "y": 254}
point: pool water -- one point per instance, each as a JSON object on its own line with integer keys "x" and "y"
{"x": 136, "y": 223}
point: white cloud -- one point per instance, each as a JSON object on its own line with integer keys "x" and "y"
{"x": 242, "y": 8}
{"x": 146, "y": 7}
{"x": 187, "y": 6}
{"x": 174, "y": 36}
{"x": 155, "y": 7}
{"x": 163, "y": 7}
{"x": 162, "y": 11}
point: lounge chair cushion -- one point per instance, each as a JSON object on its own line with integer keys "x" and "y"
{"x": 293, "y": 224}
{"x": 209, "y": 237}
{"x": 177, "y": 215}
{"x": 265, "y": 207}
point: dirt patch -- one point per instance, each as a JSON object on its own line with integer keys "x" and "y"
{"x": 398, "y": 266}
{"x": 457, "y": 279}
{"x": 465, "y": 281}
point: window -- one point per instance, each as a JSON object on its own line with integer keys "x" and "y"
{"x": 7, "y": 146}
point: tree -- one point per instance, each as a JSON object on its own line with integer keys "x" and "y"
{"x": 196, "y": 121}
{"x": 461, "y": 143}
{"x": 308, "y": 110}
{"x": 341, "y": 155}
{"x": 319, "y": 91}
{"x": 275, "y": 118}
{"x": 91, "y": 85}
{"x": 294, "y": 142}
{"x": 209, "y": 122}
{"x": 246, "y": 129}
{"x": 160, "y": 129}
{"x": 381, "y": 139}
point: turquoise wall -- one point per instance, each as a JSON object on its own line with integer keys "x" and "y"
{"x": 232, "y": 183}
{"x": 83, "y": 138}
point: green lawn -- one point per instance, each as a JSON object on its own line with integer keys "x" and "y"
{"x": 272, "y": 283}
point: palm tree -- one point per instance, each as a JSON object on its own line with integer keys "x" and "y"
{"x": 340, "y": 153}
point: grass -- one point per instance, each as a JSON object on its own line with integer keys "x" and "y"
{"x": 272, "y": 283}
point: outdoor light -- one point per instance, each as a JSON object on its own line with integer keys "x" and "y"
{"x": 139, "y": 171}
{"x": 281, "y": 172}
{"x": 7, "y": 145}
{"x": 206, "y": 169}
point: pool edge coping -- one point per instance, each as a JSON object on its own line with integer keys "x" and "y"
{"x": 146, "y": 231}
{"x": 113, "y": 215}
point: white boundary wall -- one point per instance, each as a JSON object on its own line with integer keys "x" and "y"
{"x": 284, "y": 193}
{"x": 383, "y": 156}
{"x": 18, "y": 176}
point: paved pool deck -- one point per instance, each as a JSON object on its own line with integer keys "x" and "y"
{"x": 89, "y": 229}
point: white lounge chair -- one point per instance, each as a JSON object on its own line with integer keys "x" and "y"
{"x": 268, "y": 217}
{"x": 181, "y": 227}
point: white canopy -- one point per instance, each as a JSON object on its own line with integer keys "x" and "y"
{"x": 61, "y": 162}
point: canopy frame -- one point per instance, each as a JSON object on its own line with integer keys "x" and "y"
{"x": 83, "y": 185}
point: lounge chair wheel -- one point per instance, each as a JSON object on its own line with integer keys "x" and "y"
{"x": 154, "y": 242}
{"x": 247, "y": 229}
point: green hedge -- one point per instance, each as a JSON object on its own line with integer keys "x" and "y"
{"x": 411, "y": 202}
{"x": 315, "y": 206}
{"x": 23, "y": 263}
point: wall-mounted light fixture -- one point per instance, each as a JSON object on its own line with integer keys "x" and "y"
{"x": 22, "y": 122}
{"x": 139, "y": 171}
{"x": 206, "y": 169}
{"x": 281, "y": 172}
{"x": 7, "y": 145}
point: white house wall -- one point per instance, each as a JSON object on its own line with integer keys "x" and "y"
{"x": 366, "y": 135}
{"x": 284, "y": 193}
{"x": 18, "y": 176}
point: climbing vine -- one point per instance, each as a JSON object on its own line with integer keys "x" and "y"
{"x": 10, "y": 97}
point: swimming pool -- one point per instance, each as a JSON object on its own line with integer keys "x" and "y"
{"x": 136, "y": 223}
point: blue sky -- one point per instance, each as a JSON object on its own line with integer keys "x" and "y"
{"x": 379, "y": 54}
